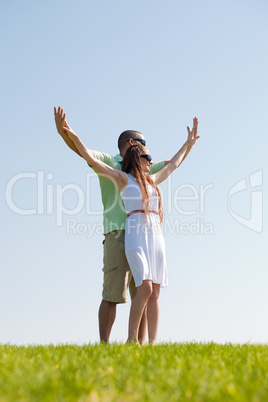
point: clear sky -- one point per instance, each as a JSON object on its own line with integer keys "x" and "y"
{"x": 150, "y": 66}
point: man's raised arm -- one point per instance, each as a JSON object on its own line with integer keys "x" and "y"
{"x": 60, "y": 124}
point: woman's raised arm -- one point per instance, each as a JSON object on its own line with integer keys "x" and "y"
{"x": 115, "y": 175}
{"x": 179, "y": 156}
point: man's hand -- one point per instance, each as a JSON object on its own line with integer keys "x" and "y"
{"x": 192, "y": 134}
{"x": 60, "y": 120}
{"x": 62, "y": 125}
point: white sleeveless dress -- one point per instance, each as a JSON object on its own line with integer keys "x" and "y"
{"x": 144, "y": 242}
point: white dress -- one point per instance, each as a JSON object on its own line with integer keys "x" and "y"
{"x": 144, "y": 242}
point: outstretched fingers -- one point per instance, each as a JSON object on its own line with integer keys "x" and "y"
{"x": 60, "y": 112}
{"x": 192, "y": 134}
{"x": 59, "y": 115}
{"x": 195, "y": 126}
{"x": 59, "y": 119}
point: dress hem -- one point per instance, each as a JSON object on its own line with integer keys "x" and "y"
{"x": 149, "y": 279}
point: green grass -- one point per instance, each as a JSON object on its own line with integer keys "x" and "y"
{"x": 118, "y": 372}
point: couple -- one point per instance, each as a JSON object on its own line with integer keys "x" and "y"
{"x": 134, "y": 218}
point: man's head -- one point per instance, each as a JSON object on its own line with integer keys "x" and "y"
{"x": 128, "y": 138}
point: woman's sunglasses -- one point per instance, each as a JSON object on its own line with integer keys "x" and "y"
{"x": 148, "y": 157}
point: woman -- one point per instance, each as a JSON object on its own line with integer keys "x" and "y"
{"x": 144, "y": 244}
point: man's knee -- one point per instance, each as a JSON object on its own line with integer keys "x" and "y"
{"x": 107, "y": 305}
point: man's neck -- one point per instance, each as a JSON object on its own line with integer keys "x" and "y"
{"x": 122, "y": 152}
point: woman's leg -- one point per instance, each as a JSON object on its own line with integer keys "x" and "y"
{"x": 153, "y": 313}
{"x": 143, "y": 323}
{"x": 137, "y": 307}
{"x": 143, "y": 327}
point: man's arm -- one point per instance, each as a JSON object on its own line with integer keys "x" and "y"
{"x": 60, "y": 124}
{"x": 102, "y": 168}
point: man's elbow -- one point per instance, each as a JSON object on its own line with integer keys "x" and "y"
{"x": 91, "y": 152}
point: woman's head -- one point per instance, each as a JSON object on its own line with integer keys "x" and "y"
{"x": 138, "y": 161}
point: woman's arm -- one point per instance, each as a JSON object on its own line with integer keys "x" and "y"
{"x": 179, "y": 156}
{"x": 115, "y": 175}
{"x": 61, "y": 124}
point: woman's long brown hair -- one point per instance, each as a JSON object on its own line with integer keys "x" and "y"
{"x": 132, "y": 161}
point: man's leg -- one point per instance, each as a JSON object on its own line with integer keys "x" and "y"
{"x": 107, "y": 312}
{"x": 115, "y": 281}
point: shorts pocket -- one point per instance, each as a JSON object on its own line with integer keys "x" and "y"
{"x": 108, "y": 269}
{"x": 113, "y": 252}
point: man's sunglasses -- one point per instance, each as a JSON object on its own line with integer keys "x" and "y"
{"x": 143, "y": 142}
{"x": 148, "y": 157}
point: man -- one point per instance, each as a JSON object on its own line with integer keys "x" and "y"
{"x": 117, "y": 275}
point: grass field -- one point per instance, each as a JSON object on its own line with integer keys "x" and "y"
{"x": 118, "y": 372}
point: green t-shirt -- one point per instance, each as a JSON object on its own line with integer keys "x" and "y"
{"x": 114, "y": 213}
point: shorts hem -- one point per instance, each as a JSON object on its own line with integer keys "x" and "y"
{"x": 113, "y": 301}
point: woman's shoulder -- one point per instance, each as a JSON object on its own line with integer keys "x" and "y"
{"x": 130, "y": 177}
{"x": 126, "y": 175}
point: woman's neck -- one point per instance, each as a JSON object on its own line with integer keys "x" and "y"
{"x": 132, "y": 173}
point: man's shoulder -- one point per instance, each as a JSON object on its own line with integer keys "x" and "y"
{"x": 156, "y": 167}
{"x": 113, "y": 161}
{"x": 103, "y": 156}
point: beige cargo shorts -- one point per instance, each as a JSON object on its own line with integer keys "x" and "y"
{"x": 117, "y": 276}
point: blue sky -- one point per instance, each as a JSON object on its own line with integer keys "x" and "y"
{"x": 150, "y": 66}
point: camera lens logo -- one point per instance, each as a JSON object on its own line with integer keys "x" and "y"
{"x": 255, "y": 222}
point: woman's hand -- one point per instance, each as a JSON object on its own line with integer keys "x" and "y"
{"x": 192, "y": 134}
